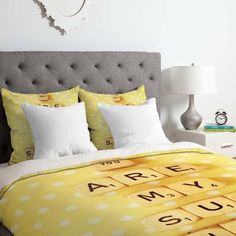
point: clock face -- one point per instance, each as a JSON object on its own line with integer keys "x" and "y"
{"x": 221, "y": 119}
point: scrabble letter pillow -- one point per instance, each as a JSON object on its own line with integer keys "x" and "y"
{"x": 21, "y": 136}
{"x": 99, "y": 130}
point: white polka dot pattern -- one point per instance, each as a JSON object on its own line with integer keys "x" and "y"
{"x": 184, "y": 200}
{"x": 21, "y": 136}
{"x": 100, "y": 133}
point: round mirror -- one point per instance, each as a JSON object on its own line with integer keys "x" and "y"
{"x": 67, "y": 8}
{"x": 65, "y": 15}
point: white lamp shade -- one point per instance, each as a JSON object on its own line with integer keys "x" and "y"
{"x": 193, "y": 80}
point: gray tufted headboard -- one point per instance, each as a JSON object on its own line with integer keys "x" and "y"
{"x": 102, "y": 72}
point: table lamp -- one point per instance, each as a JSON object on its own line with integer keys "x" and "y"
{"x": 192, "y": 80}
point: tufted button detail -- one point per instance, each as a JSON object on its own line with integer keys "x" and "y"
{"x": 97, "y": 66}
{"x": 34, "y": 81}
{"x": 151, "y": 78}
{"x": 7, "y": 82}
{"x": 47, "y": 66}
{"x": 108, "y": 80}
{"x": 141, "y": 64}
{"x": 120, "y": 65}
{"x": 60, "y": 81}
{"x": 73, "y": 66}
{"x": 130, "y": 79}
{"x": 85, "y": 81}
{"x": 21, "y": 66}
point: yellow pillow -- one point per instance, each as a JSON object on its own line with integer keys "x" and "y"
{"x": 99, "y": 131}
{"x": 21, "y": 136}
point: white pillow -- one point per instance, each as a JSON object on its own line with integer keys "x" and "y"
{"x": 131, "y": 125}
{"x": 59, "y": 131}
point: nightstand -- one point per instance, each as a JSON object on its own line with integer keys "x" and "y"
{"x": 219, "y": 142}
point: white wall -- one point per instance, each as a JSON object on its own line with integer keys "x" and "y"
{"x": 184, "y": 31}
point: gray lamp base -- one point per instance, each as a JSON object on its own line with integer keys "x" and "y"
{"x": 191, "y": 119}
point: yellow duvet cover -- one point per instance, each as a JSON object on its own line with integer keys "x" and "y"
{"x": 182, "y": 192}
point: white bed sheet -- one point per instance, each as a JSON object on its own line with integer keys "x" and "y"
{"x": 4, "y": 165}
{"x": 14, "y": 172}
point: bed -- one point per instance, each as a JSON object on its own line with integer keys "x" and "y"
{"x": 213, "y": 176}
{"x": 103, "y": 72}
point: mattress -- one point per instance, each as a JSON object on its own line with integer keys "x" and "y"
{"x": 172, "y": 189}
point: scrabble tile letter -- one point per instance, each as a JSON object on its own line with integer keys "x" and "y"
{"x": 179, "y": 169}
{"x": 170, "y": 220}
{"x": 155, "y": 196}
{"x": 98, "y": 186}
{"x": 211, "y": 207}
{"x": 133, "y": 177}
{"x": 194, "y": 186}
